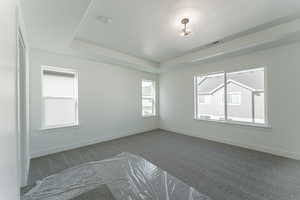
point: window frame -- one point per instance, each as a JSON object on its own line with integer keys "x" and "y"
{"x": 43, "y": 97}
{"x": 153, "y": 99}
{"x": 226, "y": 121}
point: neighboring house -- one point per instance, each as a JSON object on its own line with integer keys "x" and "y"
{"x": 245, "y": 99}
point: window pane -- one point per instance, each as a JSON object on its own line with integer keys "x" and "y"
{"x": 245, "y": 99}
{"x": 57, "y": 84}
{"x": 60, "y": 111}
{"x": 148, "y": 88}
{"x": 148, "y": 107}
{"x": 211, "y": 88}
{"x": 148, "y": 98}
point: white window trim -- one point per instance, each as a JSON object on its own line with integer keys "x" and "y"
{"x": 151, "y": 98}
{"x": 267, "y": 123}
{"x": 43, "y": 97}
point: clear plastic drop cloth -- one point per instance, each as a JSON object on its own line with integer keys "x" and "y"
{"x": 127, "y": 176}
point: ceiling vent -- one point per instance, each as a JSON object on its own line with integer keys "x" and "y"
{"x": 213, "y": 43}
{"x": 104, "y": 19}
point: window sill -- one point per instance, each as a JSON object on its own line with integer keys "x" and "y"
{"x": 237, "y": 123}
{"x": 59, "y": 126}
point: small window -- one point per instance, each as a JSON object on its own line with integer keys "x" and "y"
{"x": 233, "y": 99}
{"x": 244, "y": 92}
{"x": 59, "y": 97}
{"x": 204, "y": 99}
{"x": 148, "y": 98}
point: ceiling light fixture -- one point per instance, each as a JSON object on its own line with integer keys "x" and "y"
{"x": 185, "y": 31}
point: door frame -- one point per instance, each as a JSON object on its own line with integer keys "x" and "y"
{"x": 22, "y": 155}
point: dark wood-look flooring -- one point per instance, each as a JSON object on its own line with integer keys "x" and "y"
{"x": 220, "y": 171}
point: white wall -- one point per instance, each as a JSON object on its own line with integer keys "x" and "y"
{"x": 9, "y": 184}
{"x": 109, "y": 104}
{"x": 177, "y": 102}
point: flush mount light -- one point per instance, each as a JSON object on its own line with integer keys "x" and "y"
{"x": 185, "y": 31}
{"x": 104, "y": 19}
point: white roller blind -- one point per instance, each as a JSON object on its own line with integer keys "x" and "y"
{"x": 58, "y": 84}
{"x": 60, "y": 111}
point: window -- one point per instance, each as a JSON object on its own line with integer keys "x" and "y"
{"x": 59, "y": 97}
{"x": 204, "y": 99}
{"x": 233, "y": 99}
{"x": 244, "y": 92}
{"x": 148, "y": 98}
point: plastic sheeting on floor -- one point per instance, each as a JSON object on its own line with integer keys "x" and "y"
{"x": 128, "y": 177}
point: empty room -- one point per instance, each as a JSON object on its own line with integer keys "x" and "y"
{"x": 150, "y": 100}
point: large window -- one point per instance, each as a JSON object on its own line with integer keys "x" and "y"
{"x": 244, "y": 92}
{"x": 59, "y": 97}
{"x": 148, "y": 98}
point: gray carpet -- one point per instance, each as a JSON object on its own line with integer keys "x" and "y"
{"x": 220, "y": 171}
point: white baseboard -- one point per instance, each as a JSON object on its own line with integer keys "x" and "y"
{"x": 24, "y": 177}
{"x": 277, "y": 152}
{"x": 82, "y": 144}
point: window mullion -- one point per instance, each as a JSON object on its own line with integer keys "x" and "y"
{"x": 153, "y": 111}
{"x": 196, "y": 98}
{"x": 43, "y": 111}
{"x": 252, "y": 107}
{"x": 225, "y": 97}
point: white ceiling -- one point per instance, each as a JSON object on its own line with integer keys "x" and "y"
{"x": 50, "y": 24}
{"x": 147, "y": 29}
